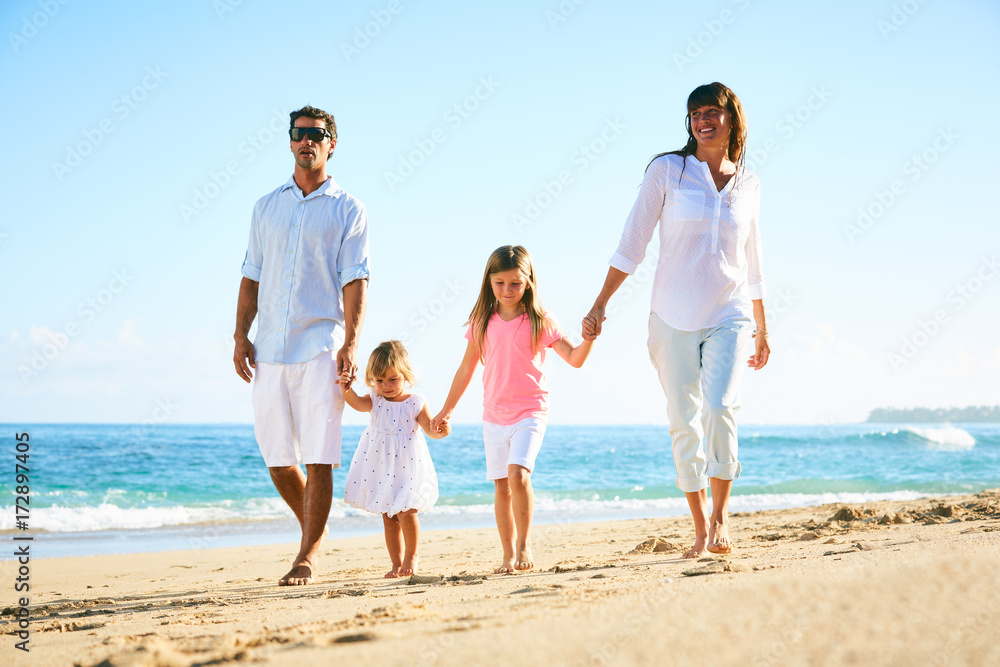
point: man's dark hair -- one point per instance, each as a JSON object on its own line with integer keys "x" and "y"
{"x": 312, "y": 112}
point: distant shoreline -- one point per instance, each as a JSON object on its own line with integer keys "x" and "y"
{"x": 970, "y": 415}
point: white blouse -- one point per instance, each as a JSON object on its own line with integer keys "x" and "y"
{"x": 710, "y": 265}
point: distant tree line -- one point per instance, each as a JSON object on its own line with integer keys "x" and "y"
{"x": 982, "y": 413}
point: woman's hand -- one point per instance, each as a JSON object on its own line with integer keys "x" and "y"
{"x": 762, "y": 351}
{"x": 592, "y": 322}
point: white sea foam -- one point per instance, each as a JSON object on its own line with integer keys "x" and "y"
{"x": 944, "y": 437}
{"x": 110, "y": 517}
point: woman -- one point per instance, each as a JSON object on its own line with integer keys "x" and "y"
{"x": 708, "y": 284}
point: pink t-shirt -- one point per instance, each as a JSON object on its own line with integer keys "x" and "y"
{"x": 513, "y": 381}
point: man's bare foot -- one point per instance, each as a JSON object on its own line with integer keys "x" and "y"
{"x": 299, "y": 575}
{"x": 507, "y": 567}
{"x": 698, "y": 549}
{"x": 718, "y": 538}
{"x": 409, "y": 566}
{"x": 524, "y": 560}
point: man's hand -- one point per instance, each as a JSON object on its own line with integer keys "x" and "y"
{"x": 347, "y": 361}
{"x": 243, "y": 358}
{"x": 592, "y": 322}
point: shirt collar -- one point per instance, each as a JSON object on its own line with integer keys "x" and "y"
{"x": 329, "y": 188}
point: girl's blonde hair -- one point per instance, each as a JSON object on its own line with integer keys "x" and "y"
{"x": 387, "y": 357}
{"x": 503, "y": 259}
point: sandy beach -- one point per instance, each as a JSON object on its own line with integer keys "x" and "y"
{"x": 889, "y": 583}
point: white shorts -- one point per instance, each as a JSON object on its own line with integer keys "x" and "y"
{"x": 297, "y": 411}
{"x": 508, "y": 444}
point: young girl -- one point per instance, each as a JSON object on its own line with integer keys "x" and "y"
{"x": 392, "y": 472}
{"x": 509, "y": 332}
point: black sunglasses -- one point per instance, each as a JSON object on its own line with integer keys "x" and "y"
{"x": 316, "y": 134}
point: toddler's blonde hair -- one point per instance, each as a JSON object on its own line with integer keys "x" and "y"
{"x": 387, "y": 357}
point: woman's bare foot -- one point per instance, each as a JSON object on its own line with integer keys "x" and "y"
{"x": 299, "y": 575}
{"x": 507, "y": 567}
{"x": 524, "y": 560}
{"x": 409, "y": 565}
{"x": 718, "y": 538}
{"x": 697, "y": 550}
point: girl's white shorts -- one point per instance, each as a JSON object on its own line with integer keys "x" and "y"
{"x": 508, "y": 444}
{"x": 297, "y": 412}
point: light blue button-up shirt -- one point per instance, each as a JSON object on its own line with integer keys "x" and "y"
{"x": 302, "y": 251}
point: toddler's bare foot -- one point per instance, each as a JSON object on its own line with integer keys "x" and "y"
{"x": 524, "y": 560}
{"x": 409, "y": 565}
{"x": 507, "y": 567}
{"x": 718, "y": 538}
{"x": 393, "y": 573}
{"x": 299, "y": 575}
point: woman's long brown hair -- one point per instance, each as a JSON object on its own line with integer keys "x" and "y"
{"x": 718, "y": 95}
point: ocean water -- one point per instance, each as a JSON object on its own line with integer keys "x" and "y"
{"x": 98, "y": 489}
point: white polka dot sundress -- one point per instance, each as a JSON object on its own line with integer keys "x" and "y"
{"x": 392, "y": 469}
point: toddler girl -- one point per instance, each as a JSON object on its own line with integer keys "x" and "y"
{"x": 509, "y": 332}
{"x": 392, "y": 472}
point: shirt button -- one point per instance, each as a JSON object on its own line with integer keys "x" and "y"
{"x": 280, "y": 329}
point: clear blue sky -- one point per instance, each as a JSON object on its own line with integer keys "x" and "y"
{"x": 118, "y": 115}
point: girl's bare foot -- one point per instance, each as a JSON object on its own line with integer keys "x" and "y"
{"x": 409, "y": 565}
{"x": 718, "y": 538}
{"x": 524, "y": 560}
{"x": 507, "y": 567}
{"x": 393, "y": 573}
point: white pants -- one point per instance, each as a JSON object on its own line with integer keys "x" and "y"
{"x": 297, "y": 412}
{"x": 700, "y": 372}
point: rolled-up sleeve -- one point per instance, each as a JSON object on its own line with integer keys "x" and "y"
{"x": 755, "y": 256}
{"x": 352, "y": 261}
{"x": 642, "y": 218}
{"x": 254, "y": 260}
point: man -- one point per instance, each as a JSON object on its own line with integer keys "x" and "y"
{"x": 305, "y": 275}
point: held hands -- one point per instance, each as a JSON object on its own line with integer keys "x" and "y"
{"x": 592, "y": 323}
{"x": 440, "y": 423}
{"x": 762, "y": 351}
{"x": 345, "y": 380}
{"x": 347, "y": 361}
{"x": 243, "y": 358}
